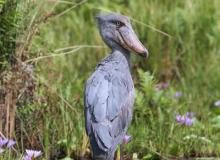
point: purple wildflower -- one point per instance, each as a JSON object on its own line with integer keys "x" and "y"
{"x": 165, "y": 85}
{"x": 162, "y": 85}
{"x": 217, "y": 103}
{"x": 3, "y": 141}
{"x": 188, "y": 121}
{"x": 11, "y": 143}
{"x": 180, "y": 119}
{"x": 26, "y": 157}
{"x": 185, "y": 119}
{"x": 178, "y": 94}
{"x": 190, "y": 114}
{"x": 127, "y": 139}
{"x": 32, "y": 154}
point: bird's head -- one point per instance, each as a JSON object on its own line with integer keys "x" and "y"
{"x": 117, "y": 32}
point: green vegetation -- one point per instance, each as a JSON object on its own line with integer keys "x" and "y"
{"x": 60, "y": 40}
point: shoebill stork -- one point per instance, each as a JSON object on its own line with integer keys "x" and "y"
{"x": 109, "y": 92}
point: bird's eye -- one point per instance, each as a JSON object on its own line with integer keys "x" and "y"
{"x": 118, "y": 24}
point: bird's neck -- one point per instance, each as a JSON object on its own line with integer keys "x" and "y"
{"x": 122, "y": 55}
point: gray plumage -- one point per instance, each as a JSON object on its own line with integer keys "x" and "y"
{"x": 109, "y": 92}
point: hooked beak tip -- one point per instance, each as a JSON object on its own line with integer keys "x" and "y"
{"x": 145, "y": 53}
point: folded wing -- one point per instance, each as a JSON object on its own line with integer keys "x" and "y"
{"x": 108, "y": 106}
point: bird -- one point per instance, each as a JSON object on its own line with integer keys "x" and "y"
{"x": 109, "y": 91}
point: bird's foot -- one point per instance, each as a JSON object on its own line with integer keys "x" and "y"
{"x": 127, "y": 139}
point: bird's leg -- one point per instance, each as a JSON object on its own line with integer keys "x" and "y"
{"x": 121, "y": 151}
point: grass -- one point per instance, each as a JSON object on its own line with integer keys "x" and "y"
{"x": 183, "y": 39}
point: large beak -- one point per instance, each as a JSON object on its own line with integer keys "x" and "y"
{"x": 129, "y": 40}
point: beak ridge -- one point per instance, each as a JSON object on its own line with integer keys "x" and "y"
{"x": 130, "y": 41}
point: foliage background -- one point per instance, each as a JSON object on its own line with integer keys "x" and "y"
{"x": 60, "y": 41}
